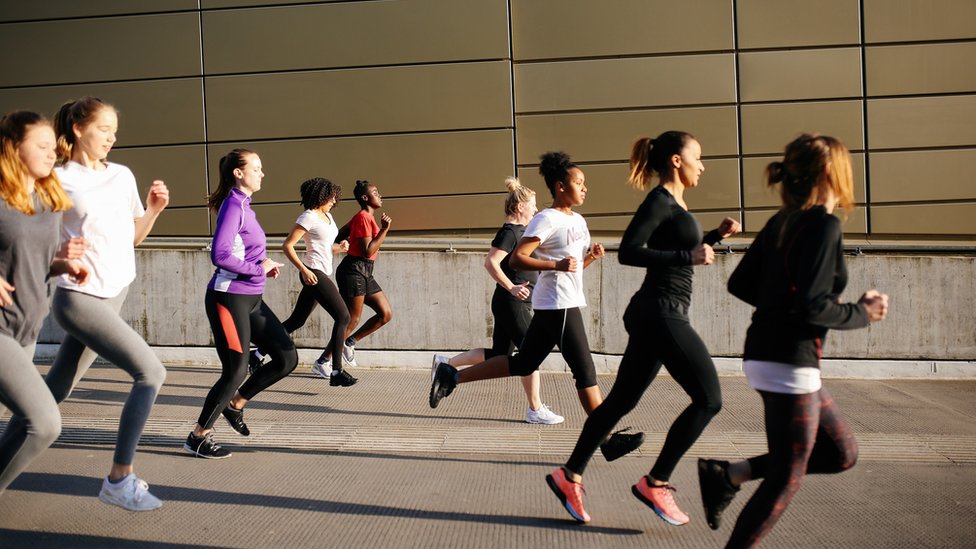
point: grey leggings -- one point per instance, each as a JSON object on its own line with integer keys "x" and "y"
{"x": 23, "y": 392}
{"x": 94, "y": 328}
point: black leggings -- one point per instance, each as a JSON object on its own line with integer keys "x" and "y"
{"x": 655, "y": 339}
{"x": 563, "y": 327}
{"x": 805, "y": 435}
{"x": 325, "y": 293}
{"x": 235, "y": 320}
{"x": 512, "y": 318}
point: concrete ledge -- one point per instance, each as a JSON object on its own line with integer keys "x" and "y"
{"x": 832, "y": 368}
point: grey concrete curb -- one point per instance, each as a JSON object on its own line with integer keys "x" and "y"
{"x": 832, "y": 368}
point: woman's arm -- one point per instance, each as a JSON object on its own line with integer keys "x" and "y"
{"x": 228, "y": 224}
{"x": 633, "y": 246}
{"x": 288, "y": 246}
{"x": 372, "y": 245}
{"x": 493, "y": 264}
{"x": 156, "y": 201}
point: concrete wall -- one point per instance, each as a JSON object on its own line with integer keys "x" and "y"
{"x": 440, "y": 302}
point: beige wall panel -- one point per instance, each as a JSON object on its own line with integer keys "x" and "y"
{"x": 608, "y": 191}
{"x": 757, "y": 194}
{"x": 19, "y": 10}
{"x": 182, "y": 222}
{"x": 922, "y": 122}
{"x": 804, "y": 74}
{"x": 150, "y": 113}
{"x": 923, "y": 68}
{"x": 766, "y": 129}
{"x": 591, "y": 137}
{"x": 655, "y": 81}
{"x": 778, "y": 23}
{"x": 927, "y": 219}
{"x": 212, "y": 4}
{"x": 551, "y": 29}
{"x": 360, "y": 101}
{"x": 400, "y": 165}
{"x": 115, "y": 48}
{"x": 856, "y": 223}
{"x": 615, "y": 225}
{"x": 184, "y": 169}
{"x": 907, "y": 176}
{"x": 906, "y": 20}
{"x": 357, "y": 33}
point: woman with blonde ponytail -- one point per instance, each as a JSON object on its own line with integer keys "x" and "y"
{"x": 511, "y": 306}
{"x": 666, "y": 240}
{"x": 31, "y": 205}
{"x": 109, "y": 214}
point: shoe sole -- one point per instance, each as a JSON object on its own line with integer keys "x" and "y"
{"x": 187, "y": 448}
{"x": 321, "y": 374}
{"x": 537, "y": 422}
{"x": 654, "y": 508}
{"x": 434, "y": 399}
{"x": 563, "y": 499}
{"x": 105, "y": 498}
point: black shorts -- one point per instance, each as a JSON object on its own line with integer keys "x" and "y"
{"x": 354, "y": 277}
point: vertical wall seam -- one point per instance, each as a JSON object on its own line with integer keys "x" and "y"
{"x": 738, "y": 113}
{"x": 864, "y": 120}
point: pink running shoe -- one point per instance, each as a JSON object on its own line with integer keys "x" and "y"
{"x": 569, "y": 493}
{"x": 659, "y": 499}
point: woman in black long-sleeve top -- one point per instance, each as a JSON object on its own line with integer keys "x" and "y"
{"x": 667, "y": 240}
{"x": 793, "y": 274}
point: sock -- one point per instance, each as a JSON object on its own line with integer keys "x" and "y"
{"x": 350, "y": 341}
{"x": 119, "y": 481}
{"x": 258, "y": 354}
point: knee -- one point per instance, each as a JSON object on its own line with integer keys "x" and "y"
{"x": 288, "y": 361}
{"x": 47, "y": 429}
{"x": 342, "y": 318}
{"x": 387, "y": 315}
{"x": 518, "y": 367}
{"x": 712, "y": 407}
{"x": 154, "y": 376}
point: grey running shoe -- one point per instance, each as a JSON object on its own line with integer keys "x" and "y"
{"x": 445, "y": 380}
{"x": 322, "y": 368}
{"x": 130, "y": 493}
{"x": 716, "y": 490}
{"x": 205, "y": 447}
{"x": 543, "y": 416}
{"x": 349, "y": 355}
{"x": 621, "y": 443}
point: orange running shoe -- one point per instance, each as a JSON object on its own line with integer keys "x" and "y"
{"x": 660, "y": 499}
{"x": 569, "y": 493}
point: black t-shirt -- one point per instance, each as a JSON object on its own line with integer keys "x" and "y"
{"x": 507, "y": 239}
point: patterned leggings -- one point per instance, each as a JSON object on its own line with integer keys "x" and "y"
{"x": 805, "y": 434}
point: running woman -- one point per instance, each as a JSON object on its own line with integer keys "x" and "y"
{"x": 666, "y": 240}
{"x": 557, "y": 243}
{"x": 234, "y": 304}
{"x": 793, "y": 274}
{"x": 31, "y": 206}
{"x": 510, "y": 304}
{"x": 109, "y": 215}
{"x": 318, "y": 228}
{"x": 354, "y": 277}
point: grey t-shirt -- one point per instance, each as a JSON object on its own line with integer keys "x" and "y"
{"x": 27, "y": 246}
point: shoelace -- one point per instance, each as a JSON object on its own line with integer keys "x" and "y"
{"x": 138, "y": 483}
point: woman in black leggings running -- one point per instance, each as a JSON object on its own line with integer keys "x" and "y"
{"x": 667, "y": 240}
{"x": 793, "y": 274}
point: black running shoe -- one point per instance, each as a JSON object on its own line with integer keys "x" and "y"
{"x": 236, "y": 420}
{"x": 716, "y": 490}
{"x": 342, "y": 378}
{"x": 621, "y": 443}
{"x": 254, "y": 362}
{"x": 445, "y": 380}
{"x": 205, "y": 447}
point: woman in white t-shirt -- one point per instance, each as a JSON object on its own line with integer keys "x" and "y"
{"x": 319, "y": 231}
{"x": 109, "y": 215}
{"x": 557, "y": 244}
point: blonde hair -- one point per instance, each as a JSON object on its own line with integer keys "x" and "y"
{"x": 13, "y": 172}
{"x": 80, "y": 112}
{"x": 814, "y": 166}
{"x": 517, "y": 194}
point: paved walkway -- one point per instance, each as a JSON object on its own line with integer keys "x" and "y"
{"x": 373, "y": 466}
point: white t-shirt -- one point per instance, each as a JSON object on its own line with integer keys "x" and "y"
{"x": 319, "y": 237}
{"x": 560, "y": 236}
{"x": 106, "y": 204}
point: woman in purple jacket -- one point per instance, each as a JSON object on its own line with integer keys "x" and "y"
{"x": 235, "y": 309}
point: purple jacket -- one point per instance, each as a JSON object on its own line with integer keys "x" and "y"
{"x": 238, "y": 248}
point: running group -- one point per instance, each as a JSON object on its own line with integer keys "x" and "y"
{"x": 69, "y": 222}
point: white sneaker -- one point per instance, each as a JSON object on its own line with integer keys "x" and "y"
{"x": 544, "y": 416}
{"x": 349, "y": 356}
{"x": 130, "y": 493}
{"x": 323, "y": 368}
{"x": 437, "y": 360}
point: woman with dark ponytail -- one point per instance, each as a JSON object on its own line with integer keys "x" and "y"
{"x": 793, "y": 274}
{"x": 234, "y": 304}
{"x": 557, "y": 244}
{"x": 108, "y": 214}
{"x": 666, "y": 240}
{"x": 32, "y": 203}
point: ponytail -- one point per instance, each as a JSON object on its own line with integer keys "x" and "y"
{"x": 79, "y": 112}
{"x": 231, "y": 161}
{"x": 650, "y": 157}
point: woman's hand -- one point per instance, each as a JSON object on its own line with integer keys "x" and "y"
{"x": 597, "y": 251}
{"x": 158, "y": 197}
{"x": 309, "y": 278}
{"x": 566, "y": 264}
{"x": 77, "y": 272}
{"x": 702, "y": 255}
{"x": 521, "y": 291}
{"x": 343, "y": 246}
{"x": 876, "y": 304}
{"x": 5, "y": 290}
{"x": 385, "y": 221}
{"x": 271, "y": 267}
{"x": 729, "y": 227}
{"x": 73, "y": 248}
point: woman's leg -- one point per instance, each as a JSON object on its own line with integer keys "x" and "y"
{"x": 24, "y": 393}
{"x": 512, "y": 319}
{"x": 327, "y": 295}
{"x": 384, "y": 313}
{"x": 268, "y": 332}
{"x": 304, "y": 306}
